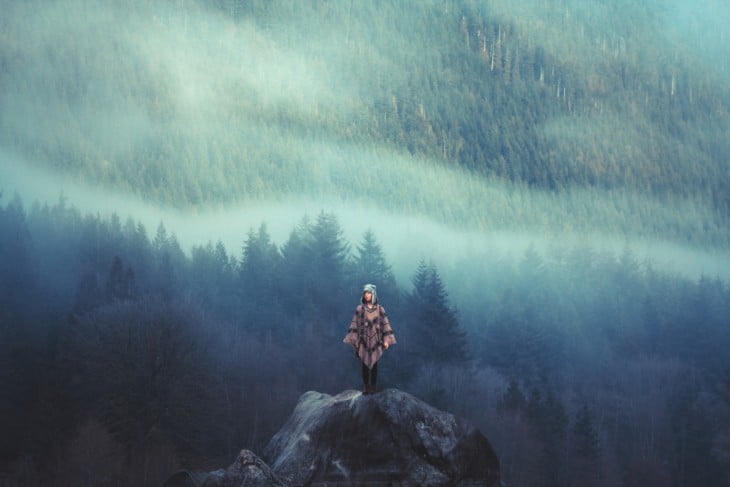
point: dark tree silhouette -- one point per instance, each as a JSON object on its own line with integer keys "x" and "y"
{"x": 259, "y": 278}
{"x": 371, "y": 266}
{"x": 433, "y": 325}
{"x": 121, "y": 284}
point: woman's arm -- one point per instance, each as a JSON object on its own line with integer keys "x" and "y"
{"x": 353, "y": 336}
{"x": 388, "y": 334}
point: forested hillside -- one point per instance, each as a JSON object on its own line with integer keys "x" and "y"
{"x": 452, "y": 134}
{"x": 560, "y": 114}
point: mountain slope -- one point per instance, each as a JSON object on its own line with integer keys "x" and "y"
{"x": 467, "y": 111}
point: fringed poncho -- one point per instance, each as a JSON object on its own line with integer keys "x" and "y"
{"x": 370, "y": 330}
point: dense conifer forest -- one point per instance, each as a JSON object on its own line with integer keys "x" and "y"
{"x": 558, "y": 114}
{"x": 126, "y": 354}
{"x": 125, "y": 358}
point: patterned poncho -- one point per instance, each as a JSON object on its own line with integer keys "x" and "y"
{"x": 368, "y": 332}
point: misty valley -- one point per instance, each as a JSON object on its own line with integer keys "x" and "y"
{"x": 194, "y": 192}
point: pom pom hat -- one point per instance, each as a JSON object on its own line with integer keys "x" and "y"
{"x": 371, "y": 289}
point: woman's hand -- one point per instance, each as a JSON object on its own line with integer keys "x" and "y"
{"x": 385, "y": 345}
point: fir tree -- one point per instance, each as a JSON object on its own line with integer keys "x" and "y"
{"x": 433, "y": 323}
{"x": 371, "y": 267}
{"x": 585, "y": 453}
{"x": 258, "y": 277}
{"x": 121, "y": 283}
{"x": 329, "y": 255}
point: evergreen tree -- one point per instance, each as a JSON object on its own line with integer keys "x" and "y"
{"x": 433, "y": 325}
{"x": 159, "y": 244}
{"x": 258, "y": 284}
{"x": 16, "y": 269}
{"x": 139, "y": 252}
{"x": 296, "y": 264}
{"x": 513, "y": 398}
{"x": 164, "y": 280}
{"x": 371, "y": 267}
{"x": 121, "y": 283}
{"x": 694, "y": 428}
{"x": 328, "y": 271}
{"x": 211, "y": 278}
{"x": 169, "y": 264}
{"x": 146, "y": 371}
{"x": 585, "y": 451}
{"x": 549, "y": 421}
{"x": 329, "y": 253}
{"x": 515, "y": 344}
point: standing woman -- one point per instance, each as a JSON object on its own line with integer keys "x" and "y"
{"x": 370, "y": 333}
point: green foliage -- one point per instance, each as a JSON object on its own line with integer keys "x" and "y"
{"x": 143, "y": 361}
{"x": 372, "y": 266}
{"x": 221, "y": 360}
{"x": 318, "y": 274}
{"x": 550, "y": 114}
{"x": 433, "y": 325}
{"x": 259, "y": 273}
{"x": 549, "y": 420}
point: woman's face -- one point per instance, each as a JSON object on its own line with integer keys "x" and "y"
{"x": 367, "y": 296}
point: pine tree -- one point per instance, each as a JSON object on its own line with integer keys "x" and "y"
{"x": 121, "y": 283}
{"x": 433, "y": 324}
{"x": 516, "y": 346}
{"x": 513, "y": 399}
{"x": 146, "y": 369}
{"x": 329, "y": 255}
{"x": 585, "y": 453}
{"x": 549, "y": 421}
{"x": 295, "y": 268}
{"x": 371, "y": 267}
{"x": 258, "y": 277}
{"x": 15, "y": 257}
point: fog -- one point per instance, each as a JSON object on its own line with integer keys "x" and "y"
{"x": 180, "y": 106}
{"x": 406, "y": 239}
{"x": 548, "y": 181}
{"x": 97, "y": 94}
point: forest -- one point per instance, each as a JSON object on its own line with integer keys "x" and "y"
{"x": 552, "y": 115}
{"x": 125, "y": 358}
{"x": 127, "y": 353}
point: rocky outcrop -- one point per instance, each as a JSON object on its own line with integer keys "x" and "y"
{"x": 248, "y": 470}
{"x": 388, "y": 438}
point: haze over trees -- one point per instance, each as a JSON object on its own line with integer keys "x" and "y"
{"x": 558, "y": 115}
{"x": 125, "y": 354}
{"x": 124, "y": 358}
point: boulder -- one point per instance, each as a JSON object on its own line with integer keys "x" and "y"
{"x": 248, "y": 470}
{"x": 388, "y": 438}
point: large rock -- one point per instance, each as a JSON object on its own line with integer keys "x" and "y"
{"x": 248, "y": 470}
{"x": 389, "y": 438}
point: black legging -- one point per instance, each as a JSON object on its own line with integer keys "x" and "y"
{"x": 370, "y": 376}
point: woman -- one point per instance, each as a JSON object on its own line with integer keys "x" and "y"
{"x": 370, "y": 333}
